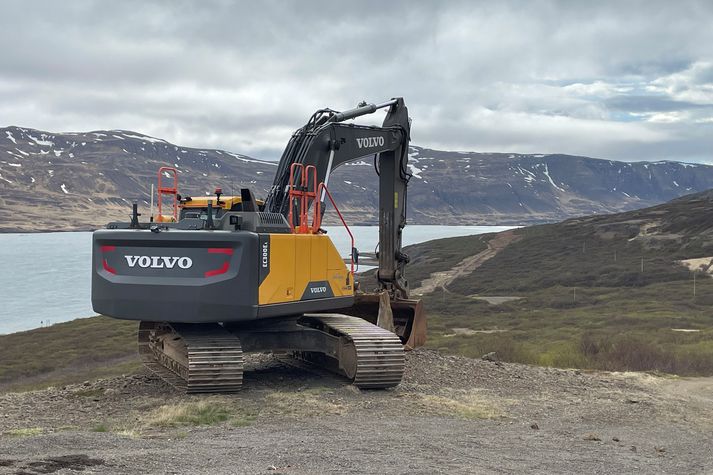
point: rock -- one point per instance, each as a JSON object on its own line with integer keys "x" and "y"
{"x": 615, "y": 439}
{"x": 272, "y": 467}
{"x": 534, "y": 426}
{"x": 592, "y": 436}
{"x": 633, "y": 448}
{"x": 660, "y": 449}
{"x": 632, "y": 401}
{"x": 489, "y": 357}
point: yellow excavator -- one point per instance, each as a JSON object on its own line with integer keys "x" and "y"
{"x": 219, "y": 276}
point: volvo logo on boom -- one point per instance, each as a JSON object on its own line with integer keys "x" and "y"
{"x": 370, "y": 142}
{"x": 159, "y": 262}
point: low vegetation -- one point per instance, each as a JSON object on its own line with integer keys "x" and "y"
{"x": 304, "y": 403}
{"x": 205, "y": 412}
{"x": 602, "y": 293}
{"x": 461, "y": 405}
{"x": 68, "y": 353}
{"x": 25, "y": 432}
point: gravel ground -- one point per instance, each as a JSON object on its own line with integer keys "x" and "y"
{"x": 450, "y": 415}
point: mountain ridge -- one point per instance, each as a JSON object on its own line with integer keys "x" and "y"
{"x": 92, "y": 177}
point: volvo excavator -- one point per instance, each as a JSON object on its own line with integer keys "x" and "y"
{"x": 229, "y": 275}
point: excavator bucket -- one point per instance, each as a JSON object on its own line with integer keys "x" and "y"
{"x": 405, "y": 317}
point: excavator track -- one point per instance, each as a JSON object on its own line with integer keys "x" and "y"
{"x": 195, "y": 358}
{"x": 368, "y": 355}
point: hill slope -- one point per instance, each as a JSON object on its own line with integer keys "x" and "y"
{"x": 87, "y": 179}
{"x": 613, "y": 292}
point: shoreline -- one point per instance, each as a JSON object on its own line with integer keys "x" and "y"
{"x": 82, "y": 229}
{"x": 76, "y": 261}
{"x": 86, "y": 229}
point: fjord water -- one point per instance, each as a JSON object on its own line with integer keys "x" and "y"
{"x": 45, "y": 278}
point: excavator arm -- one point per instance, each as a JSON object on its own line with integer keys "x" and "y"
{"x": 326, "y": 142}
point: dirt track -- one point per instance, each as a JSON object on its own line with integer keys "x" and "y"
{"x": 450, "y": 415}
{"x": 440, "y": 280}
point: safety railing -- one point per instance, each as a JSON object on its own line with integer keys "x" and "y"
{"x": 171, "y": 191}
{"x": 301, "y": 195}
{"x": 317, "y": 221}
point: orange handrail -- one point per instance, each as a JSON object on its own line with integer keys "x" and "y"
{"x": 303, "y": 193}
{"x": 168, "y": 190}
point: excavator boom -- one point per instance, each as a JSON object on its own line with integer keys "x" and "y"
{"x": 326, "y": 142}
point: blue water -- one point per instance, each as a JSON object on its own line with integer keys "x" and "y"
{"x": 46, "y": 279}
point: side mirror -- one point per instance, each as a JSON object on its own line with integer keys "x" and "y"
{"x": 355, "y": 255}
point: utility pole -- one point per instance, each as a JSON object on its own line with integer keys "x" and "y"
{"x": 574, "y": 294}
{"x": 642, "y": 264}
{"x": 694, "y": 283}
{"x": 614, "y": 255}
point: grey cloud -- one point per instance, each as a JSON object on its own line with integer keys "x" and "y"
{"x": 650, "y": 103}
{"x": 544, "y": 76}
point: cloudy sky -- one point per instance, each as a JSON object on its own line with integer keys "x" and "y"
{"x": 622, "y": 80}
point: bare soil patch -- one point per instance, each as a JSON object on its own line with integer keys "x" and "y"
{"x": 466, "y": 266}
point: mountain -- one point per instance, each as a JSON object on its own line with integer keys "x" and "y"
{"x": 52, "y": 181}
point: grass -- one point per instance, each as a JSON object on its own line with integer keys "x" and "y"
{"x": 458, "y": 404}
{"x": 27, "y": 432}
{"x": 68, "y": 353}
{"x": 301, "y": 404}
{"x": 585, "y": 300}
{"x": 129, "y": 433}
{"x": 609, "y": 329}
{"x": 221, "y": 410}
{"x": 206, "y": 412}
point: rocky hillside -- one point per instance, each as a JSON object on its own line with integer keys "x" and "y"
{"x": 511, "y": 188}
{"x": 90, "y": 178}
